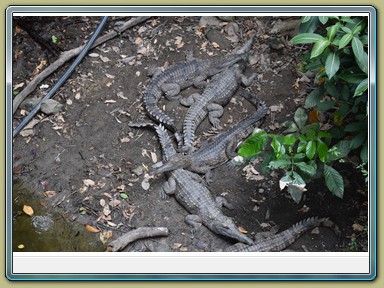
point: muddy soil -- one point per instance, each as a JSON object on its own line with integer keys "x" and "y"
{"x": 87, "y": 158}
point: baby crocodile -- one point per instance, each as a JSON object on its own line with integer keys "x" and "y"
{"x": 220, "y": 150}
{"x": 189, "y": 190}
{"x": 218, "y": 92}
{"x": 183, "y": 75}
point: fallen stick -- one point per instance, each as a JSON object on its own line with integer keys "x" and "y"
{"x": 67, "y": 55}
{"x": 141, "y": 232}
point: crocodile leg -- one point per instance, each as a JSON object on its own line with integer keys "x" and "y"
{"x": 194, "y": 221}
{"x": 247, "y": 81}
{"x": 169, "y": 188}
{"x": 215, "y": 112}
{"x": 222, "y": 202}
{"x": 190, "y": 99}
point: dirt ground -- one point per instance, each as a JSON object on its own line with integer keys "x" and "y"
{"x": 86, "y": 156}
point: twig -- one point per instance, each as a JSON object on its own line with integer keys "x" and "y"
{"x": 67, "y": 55}
{"x": 141, "y": 232}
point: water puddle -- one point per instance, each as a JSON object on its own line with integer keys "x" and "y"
{"x": 46, "y": 230}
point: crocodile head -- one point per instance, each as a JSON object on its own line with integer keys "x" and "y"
{"x": 225, "y": 226}
{"x": 177, "y": 161}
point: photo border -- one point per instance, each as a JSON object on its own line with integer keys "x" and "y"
{"x": 287, "y": 9}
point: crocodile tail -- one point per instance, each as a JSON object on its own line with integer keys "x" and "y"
{"x": 162, "y": 133}
{"x": 247, "y": 46}
{"x": 298, "y": 229}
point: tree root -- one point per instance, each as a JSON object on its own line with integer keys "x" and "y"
{"x": 141, "y": 232}
{"x": 67, "y": 55}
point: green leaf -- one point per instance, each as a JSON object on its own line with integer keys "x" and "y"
{"x": 357, "y": 48}
{"x": 280, "y": 164}
{"x": 289, "y": 140}
{"x": 253, "y": 144}
{"x": 334, "y": 181}
{"x": 356, "y": 126}
{"x": 314, "y": 97}
{"x": 363, "y": 62}
{"x": 123, "y": 196}
{"x": 296, "y": 192}
{"x": 302, "y": 146}
{"x": 326, "y": 105}
{"x": 278, "y": 148}
{"x": 344, "y": 41}
{"x": 310, "y": 130}
{"x": 315, "y": 65}
{"x": 353, "y": 78}
{"x": 310, "y": 150}
{"x": 359, "y": 27}
{"x": 358, "y": 140}
{"x": 347, "y": 20}
{"x": 323, "y": 19}
{"x": 322, "y": 150}
{"x": 332, "y": 30}
{"x": 309, "y": 25}
{"x": 332, "y": 64}
{"x": 298, "y": 157}
{"x": 361, "y": 88}
{"x": 339, "y": 150}
{"x": 346, "y": 30}
{"x": 300, "y": 117}
{"x": 364, "y": 153}
{"x": 305, "y": 19}
{"x": 297, "y": 179}
{"x": 331, "y": 89}
{"x": 304, "y": 167}
{"x": 306, "y": 38}
{"x": 319, "y": 47}
{"x": 290, "y": 125}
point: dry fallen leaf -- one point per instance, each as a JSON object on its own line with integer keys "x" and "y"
{"x": 102, "y": 202}
{"x": 104, "y": 236}
{"x": 145, "y": 184}
{"x": 88, "y": 182}
{"x": 49, "y": 193}
{"x": 154, "y": 157}
{"x": 215, "y": 45}
{"x": 28, "y": 210}
{"x": 357, "y": 227}
{"x": 176, "y": 245}
{"x": 242, "y": 230}
{"x": 92, "y": 229}
{"x": 125, "y": 139}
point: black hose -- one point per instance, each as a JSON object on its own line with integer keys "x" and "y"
{"x": 63, "y": 78}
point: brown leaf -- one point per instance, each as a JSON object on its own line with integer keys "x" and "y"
{"x": 88, "y": 182}
{"x": 28, "y": 210}
{"x": 49, "y": 194}
{"x": 357, "y": 227}
{"x": 92, "y": 229}
{"x": 242, "y": 230}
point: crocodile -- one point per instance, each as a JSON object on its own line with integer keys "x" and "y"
{"x": 182, "y": 75}
{"x": 220, "y": 150}
{"x": 284, "y": 239}
{"x": 218, "y": 92}
{"x": 189, "y": 190}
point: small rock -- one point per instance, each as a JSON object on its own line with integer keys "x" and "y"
{"x": 261, "y": 190}
{"x": 286, "y": 27}
{"x": 209, "y": 21}
{"x": 51, "y": 106}
{"x": 29, "y": 104}
{"x": 214, "y": 35}
{"x": 138, "y": 170}
{"x": 226, "y": 18}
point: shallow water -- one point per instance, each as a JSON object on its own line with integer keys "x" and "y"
{"x": 46, "y": 230}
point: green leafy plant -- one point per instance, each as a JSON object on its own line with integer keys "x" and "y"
{"x": 339, "y": 58}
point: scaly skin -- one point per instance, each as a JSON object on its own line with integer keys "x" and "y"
{"x": 189, "y": 190}
{"x": 218, "y": 151}
{"x": 218, "y": 93}
{"x": 183, "y": 75}
{"x": 284, "y": 239}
